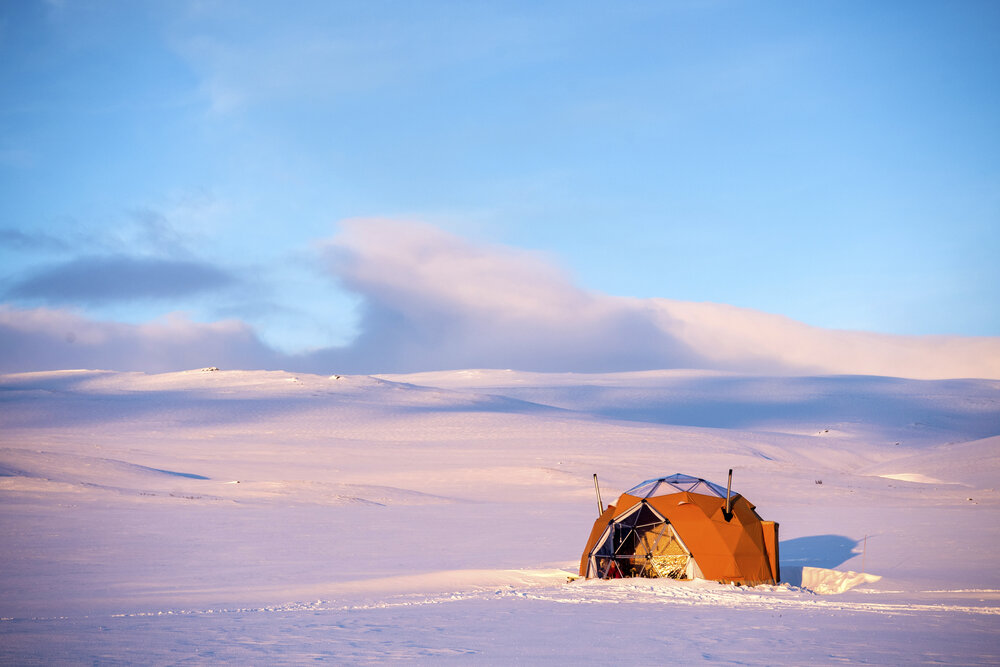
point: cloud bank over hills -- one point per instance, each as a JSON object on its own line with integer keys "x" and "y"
{"x": 49, "y": 339}
{"x": 434, "y": 301}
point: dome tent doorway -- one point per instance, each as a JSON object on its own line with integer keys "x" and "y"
{"x": 642, "y": 543}
{"x": 682, "y": 527}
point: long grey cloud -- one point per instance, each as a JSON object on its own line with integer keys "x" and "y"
{"x": 103, "y": 279}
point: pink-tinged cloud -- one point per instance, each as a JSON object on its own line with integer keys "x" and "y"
{"x": 748, "y": 340}
{"x": 436, "y": 301}
{"x": 46, "y": 339}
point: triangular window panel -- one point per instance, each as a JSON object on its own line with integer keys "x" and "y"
{"x": 645, "y": 489}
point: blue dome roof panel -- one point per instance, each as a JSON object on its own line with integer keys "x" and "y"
{"x": 663, "y": 486}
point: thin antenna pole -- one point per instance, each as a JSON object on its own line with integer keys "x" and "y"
{"x": 600, "y": 505}
{"x": 729, "y": 486}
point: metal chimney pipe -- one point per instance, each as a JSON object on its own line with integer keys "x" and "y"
{"x": 729, "y": 486}
{"x": 600, "y": 505}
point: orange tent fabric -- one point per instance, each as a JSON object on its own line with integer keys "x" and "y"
{"x": 678, "y": 527}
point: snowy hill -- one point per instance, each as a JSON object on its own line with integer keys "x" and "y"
{"x": 267, "y": 517}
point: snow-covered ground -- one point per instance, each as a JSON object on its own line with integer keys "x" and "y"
{"x": 270, "y": 518}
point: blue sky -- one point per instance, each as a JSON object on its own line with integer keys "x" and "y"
{"x": 837, "y": 163}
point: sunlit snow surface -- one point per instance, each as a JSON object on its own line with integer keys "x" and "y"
{"x": 269, "y": 518}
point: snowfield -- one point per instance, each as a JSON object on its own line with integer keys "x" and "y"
{"x": 262, "y": 517}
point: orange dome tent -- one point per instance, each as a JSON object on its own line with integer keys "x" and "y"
{"x": 682, "y": 527}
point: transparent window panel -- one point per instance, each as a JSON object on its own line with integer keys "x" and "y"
{"x": 676, "y": 483}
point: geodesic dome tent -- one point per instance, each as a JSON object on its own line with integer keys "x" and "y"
{"x": 679, "y": 527}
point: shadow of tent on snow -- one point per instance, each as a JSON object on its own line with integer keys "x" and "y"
{"x": 826, "y": 551}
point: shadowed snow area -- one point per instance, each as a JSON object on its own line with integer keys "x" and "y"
{"x": 917, "y": 411}
{"x": 267, "y": 517}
